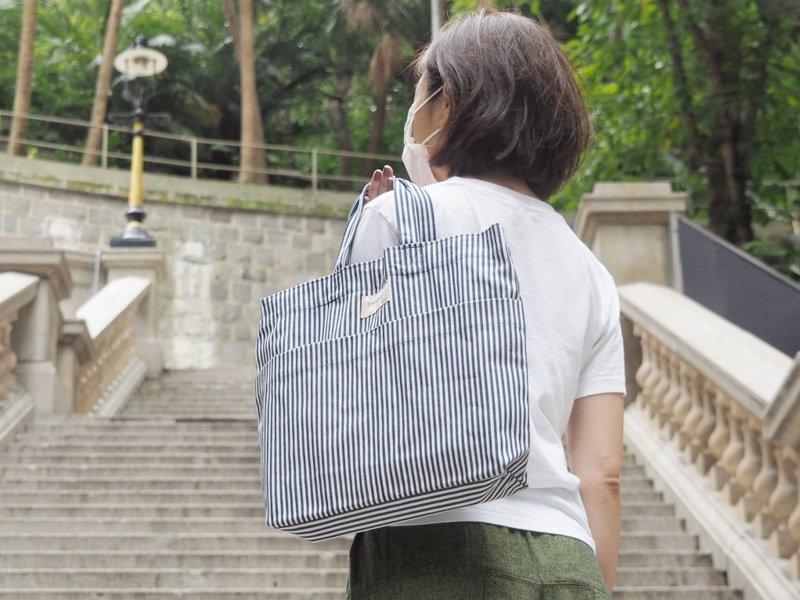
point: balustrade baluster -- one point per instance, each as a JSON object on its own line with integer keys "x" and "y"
{"x": 765, "y": 483}
{"x": 665, "y": 414}
{"x": 661, "y": 385}
{"x": 783, "y": 502}
{"x": 683, "y": 404}
{"x": 644, "y": 371}
{"x": 794, "y": 531}
{"x": 690, "y": 426}
{"x": 653, "y": 377}
{"x": 732, "y": 455}
{"x": 749, "y": 468}
{"x": 718, "y": 440}
{"x": 701, "y": 454}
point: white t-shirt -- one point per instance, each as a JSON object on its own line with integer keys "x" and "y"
{"x": 574, "y": 342}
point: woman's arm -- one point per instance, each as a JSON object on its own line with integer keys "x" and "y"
{"x": 594, "y": 447}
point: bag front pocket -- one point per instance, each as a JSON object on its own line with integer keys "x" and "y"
{"x": 413, "y": 407}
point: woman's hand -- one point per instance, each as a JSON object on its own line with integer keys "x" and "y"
{"x": 382, "y": 181}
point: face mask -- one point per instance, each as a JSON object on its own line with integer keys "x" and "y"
{"x": 415, "y": 155}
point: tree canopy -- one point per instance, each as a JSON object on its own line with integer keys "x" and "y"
{"x": 704, "y": 94}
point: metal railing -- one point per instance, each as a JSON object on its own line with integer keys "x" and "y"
{"x": 304, "y": 162}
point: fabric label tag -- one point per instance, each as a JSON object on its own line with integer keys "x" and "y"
{"x": 371, "y": 304}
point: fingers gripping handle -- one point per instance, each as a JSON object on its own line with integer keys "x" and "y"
{"x": 414, "y": 212}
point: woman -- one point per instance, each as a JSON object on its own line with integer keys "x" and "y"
{"x": 497, "y": 125}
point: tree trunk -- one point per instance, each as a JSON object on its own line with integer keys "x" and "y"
{"x": 376, "y": 135}
{"x": 232, "y": 20}
{"x": 729, "y": 212}
{"x": 253, "y": 165}
{"x": 337, "y": 108}
{"x": 22, "y": 91}
{"x": 383, "y": 67}
{"x": 101, "y": 90}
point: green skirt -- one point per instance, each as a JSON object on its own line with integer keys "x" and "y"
{"x": 471, "y": 561}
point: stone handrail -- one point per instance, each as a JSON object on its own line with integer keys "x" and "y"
{"x": 110, "y": 317}
{"x": 730, "y": 404}
{"x": 16, "y": 291}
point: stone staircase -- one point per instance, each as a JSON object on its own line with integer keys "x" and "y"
{"x": 163, "y": 501}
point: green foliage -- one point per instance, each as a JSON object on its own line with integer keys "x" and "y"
{"x": 654, "y": 121}
{"x": 650, "y": 123}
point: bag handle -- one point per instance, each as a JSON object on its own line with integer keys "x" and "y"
{"x": 414, "y": 212}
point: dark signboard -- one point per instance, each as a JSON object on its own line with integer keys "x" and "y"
{"x": 727, "y": 281}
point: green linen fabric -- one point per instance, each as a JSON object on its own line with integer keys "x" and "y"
{"x": 471, "y": 561}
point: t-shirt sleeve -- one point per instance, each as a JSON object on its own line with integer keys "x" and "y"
{"x": 373, "y": 235}
{"x": 603, "y": 369}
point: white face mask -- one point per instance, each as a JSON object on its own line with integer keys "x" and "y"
{"x": 415, "y": 154}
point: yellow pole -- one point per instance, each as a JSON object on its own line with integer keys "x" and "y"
{"x": 137, "y": 165}
{"x": 135, "y": 233}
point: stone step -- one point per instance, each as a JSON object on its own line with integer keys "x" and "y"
{"x": 281, "y": 577}
{"x": 252, "y": 520}
{"x": 646, "y": 541}
{"x": 193, "y": 404}
{"x": 154, "y": 578}
{"x": 132, "y": 453}
{"x": 111, "y": 559}
{"x": 670, "y": 577}
{"x": 620, "y": 593}
{"x": 175, "y": 445}
{"x": 260, "y": 539}
{"x": 641, "y": 495}
{"x": 141, "y": 497}
{"x": 313, "y": 559}
{"x": 253, "y": 511}
{"x": 161, "y": 434}
{"x": 219, "y": 413}
{"x": 258, "y": 593}
{"x": 134, "y": 456}
{"x": 12, "y": 470}
{"x": 664, "y": 558}
{"x": 138, "y": 483}
{"x": 252, "y": 493}
{"x": 675, "y": 593}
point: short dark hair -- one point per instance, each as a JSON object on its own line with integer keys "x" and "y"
{"x": 515, "y": 104}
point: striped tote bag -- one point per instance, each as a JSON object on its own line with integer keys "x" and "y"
{"x": 396, "y": 388}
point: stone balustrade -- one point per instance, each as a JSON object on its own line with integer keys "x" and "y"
{"x": 16, "y": 291}
{"x": 111, "y": 318}
{"x": 729, "y": 404}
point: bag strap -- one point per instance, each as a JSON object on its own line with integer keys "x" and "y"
{"x": 346, "y": 247}
{"x": 414, "y": 212}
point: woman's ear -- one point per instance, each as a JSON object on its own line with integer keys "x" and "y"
{"x": 441, "y": 109}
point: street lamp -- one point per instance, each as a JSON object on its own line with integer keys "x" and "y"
{"x": 138, "y": 64}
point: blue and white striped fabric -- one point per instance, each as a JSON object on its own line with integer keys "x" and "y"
{"x": 397, "y": 388}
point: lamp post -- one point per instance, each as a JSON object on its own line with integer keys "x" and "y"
{"x": 436, "y": 17}
{"x": 138, "y": 64}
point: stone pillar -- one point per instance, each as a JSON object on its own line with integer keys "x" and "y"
{"x": 627, "y": 226}
{"x": 35, "y": 335}
{"x": 35, "y": 339}
{"x": 150, "y": 264}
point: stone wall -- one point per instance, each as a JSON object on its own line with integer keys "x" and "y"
{"x": 220, "y": 261}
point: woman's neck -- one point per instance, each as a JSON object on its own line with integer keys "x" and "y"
{"x": 505, "y": 180}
